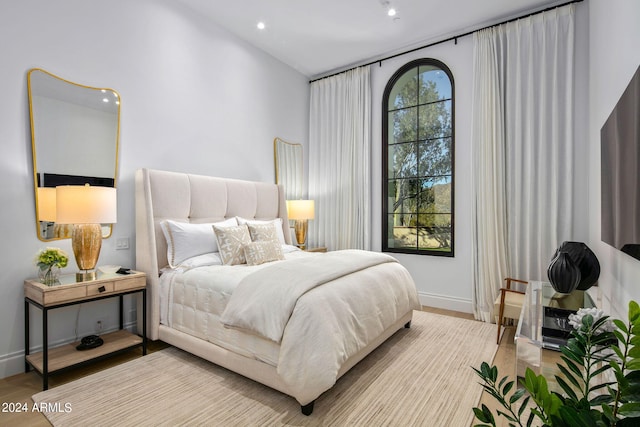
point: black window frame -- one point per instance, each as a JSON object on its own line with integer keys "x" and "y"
{"x": 385, "y": 158}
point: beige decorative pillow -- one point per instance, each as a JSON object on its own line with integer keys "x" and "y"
{"x": 261, "y": 252}
{"x": 230, "y": 243}
{"x": 263, "y": 232}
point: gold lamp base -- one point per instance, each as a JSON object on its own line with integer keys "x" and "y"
{"x": 300, "y": 228}
{"x": 86, "y": 241}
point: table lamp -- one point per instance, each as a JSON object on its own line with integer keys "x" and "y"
{"x": 47, "y": 204}
{"x": 301, "y": 211}
{"x": 86, "y": 207}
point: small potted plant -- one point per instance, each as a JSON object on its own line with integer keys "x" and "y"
{"x": 49, "y": 262}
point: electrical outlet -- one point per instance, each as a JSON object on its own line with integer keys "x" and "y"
{"x": 122, "y": 243}
{"x": 99, "y": 326}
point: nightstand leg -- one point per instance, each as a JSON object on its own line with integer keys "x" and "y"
{"x": 144, "y": 322}
{"x": 27, "y": 367}
{"x": 45, "y": 349}
{"x": 121, "y": 314}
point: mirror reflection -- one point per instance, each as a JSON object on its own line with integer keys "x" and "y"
{"x": 74, "y": 136}
{"x": 288, "y": 162}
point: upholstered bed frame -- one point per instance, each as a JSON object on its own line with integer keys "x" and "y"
{"x": 162, "y": 195}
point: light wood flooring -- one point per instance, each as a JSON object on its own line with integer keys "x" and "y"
{"x": 19, "y": 388}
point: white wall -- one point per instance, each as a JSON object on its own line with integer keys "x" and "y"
{"x": 614, "y": 37}
{"x": 194, "y": 99}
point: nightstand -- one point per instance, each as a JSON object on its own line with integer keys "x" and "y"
{"x": 69, "y": 292}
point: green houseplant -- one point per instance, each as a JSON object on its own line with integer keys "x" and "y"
{"x": 49, "y": 261}
{"x": 597, "y": 346}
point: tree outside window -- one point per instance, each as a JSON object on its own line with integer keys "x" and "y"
{"x": 418, "y": 156}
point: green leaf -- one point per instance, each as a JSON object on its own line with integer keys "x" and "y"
{"x": 621, "y": 325}
{"x": 634, "y": 352}
{"x": 571, "y": 365}
{"x": 600, "y": 370}
{"x": 633, "y": 364}
{"x": 630, "y": 409}
{"x": 618, "y": 352}
{"x": 517, "y": 395}
{"x": 607, "y": 411}
{"x": 484, "y": 415}
{"x": 507, "y": 388}
{"x": 569, "y": 376}
{"x": 600, "y": 400}
{"x": 523, "y": 406}
{"x": 567, "y": 388}
{"x": 634, "y": 311}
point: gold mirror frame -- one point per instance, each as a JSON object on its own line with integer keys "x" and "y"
{"x": 288, "y": 166}
{"x": 75, "y": 134}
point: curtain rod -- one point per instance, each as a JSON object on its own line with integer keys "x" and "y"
{"x": 454, "y": 38}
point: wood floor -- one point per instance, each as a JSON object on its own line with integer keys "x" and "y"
{"x": 18, "y": 389}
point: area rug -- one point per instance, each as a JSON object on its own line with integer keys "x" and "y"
{"x": 421, "y": 376}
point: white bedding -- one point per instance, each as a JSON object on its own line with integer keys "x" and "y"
{"x": 327, "y": 325}
{"x": 192, "y": 300}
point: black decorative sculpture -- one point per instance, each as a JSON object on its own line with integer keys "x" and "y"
{"x": 585, "y": 260}
{"x": 563, "y": 273}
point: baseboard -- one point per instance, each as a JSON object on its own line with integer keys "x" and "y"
{"x": 13, "y": 363}
{"x": 446, "y": 302}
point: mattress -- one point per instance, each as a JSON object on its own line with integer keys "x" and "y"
{"x": 192, "y": 301}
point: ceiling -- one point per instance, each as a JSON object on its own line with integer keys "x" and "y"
{"x": 317, "y": 37}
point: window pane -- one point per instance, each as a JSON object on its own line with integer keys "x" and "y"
{"x": 402, "y": 197}
{"x": 435, "y": 120}
{"x": 401, "y": 235}
{"x": 403, "y": 125}
{"x": 434, "y": 84}
{"x": 404, "y": 92}
{"x": 435, "y": 157}
{"x": 435, "y": 196}
{"x": 435, "y": 232}
{"x": 403, "y": 161}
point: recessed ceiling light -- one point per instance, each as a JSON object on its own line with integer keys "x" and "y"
{"x": 261, "y": 25}
{"x": 391, "y": 12}
{"x": 105, "y": 100}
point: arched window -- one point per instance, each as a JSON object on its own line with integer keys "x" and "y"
{"x": 418, "y": 159}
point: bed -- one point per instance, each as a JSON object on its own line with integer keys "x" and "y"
{"x": 333, "y": 308}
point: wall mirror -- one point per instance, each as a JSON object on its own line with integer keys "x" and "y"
{"x": 288, "y": 163}
{"x": 74, "y": 140}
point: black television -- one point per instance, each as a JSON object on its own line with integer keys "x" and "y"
{"x": 620, "y": 172}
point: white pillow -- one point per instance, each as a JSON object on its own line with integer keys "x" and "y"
{"x": 277, "y": 222}
{"x": 186, "y": 240}
{"x": 203, "y": 260}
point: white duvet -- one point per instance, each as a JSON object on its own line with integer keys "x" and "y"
{"x": 326, "y": 314}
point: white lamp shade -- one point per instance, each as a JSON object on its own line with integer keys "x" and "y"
{"x": 47, "y": 204}
{"x": 85, "y": 204}
{"x": 300, "y": 209}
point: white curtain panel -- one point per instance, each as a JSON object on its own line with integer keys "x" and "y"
{"x": 340, "y": 160}
{"x": 523, "y": 149}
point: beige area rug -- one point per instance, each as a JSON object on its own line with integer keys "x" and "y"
{"x": 421, "y": 376}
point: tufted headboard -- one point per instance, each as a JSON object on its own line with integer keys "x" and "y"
{"x": 162, "y": 195}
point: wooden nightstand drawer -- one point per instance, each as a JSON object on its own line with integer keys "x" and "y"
{"x": 130, "y": 283}
{"x": 62, "y": 294}
{"x": 100, "y": 288}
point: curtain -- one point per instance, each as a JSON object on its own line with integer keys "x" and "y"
{"x": 339, "y": 160}
{"x": 523, "y": 149}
